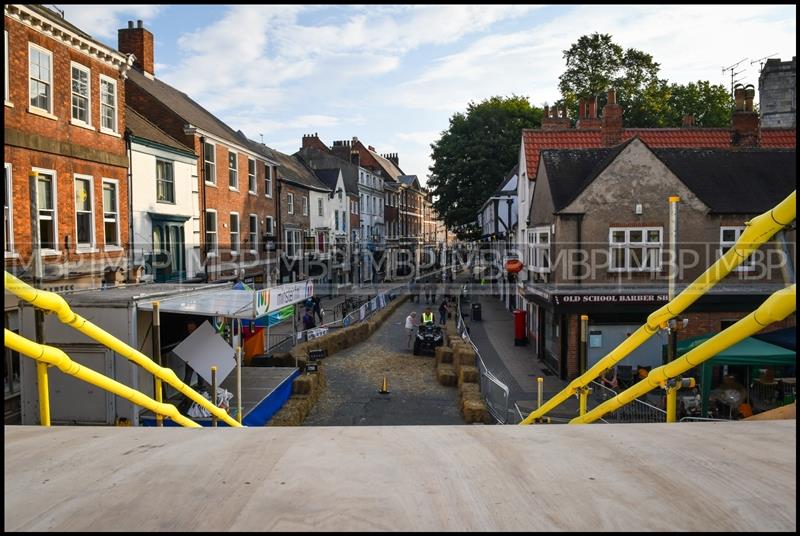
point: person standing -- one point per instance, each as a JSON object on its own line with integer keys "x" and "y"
{"x": 443, "y": 310}
{"x": 318, "y": 308}
{"x": 427, "y": 317}
{"x": 308, "y": 320}
{"x": 411, "y": 323}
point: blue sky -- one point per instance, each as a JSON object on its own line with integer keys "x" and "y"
{"x": 393, "y": 75}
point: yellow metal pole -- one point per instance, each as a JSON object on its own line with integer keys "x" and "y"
{"x": 777, "y": 307}
{"x": 53, "y": 302}
{"x": 157, "y": 390}
{"x": 214, "y": 394}
{"x": 672, "y": 401}
{"x": 54, "y": 356}
{"x": 239, "y": 379}
{"x": 584, "y": 395}
{"x": 539, "y": 391}
{"x": 757, "y": 231}
{"x": 44, "y": 393}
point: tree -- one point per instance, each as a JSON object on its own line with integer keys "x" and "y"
{"x": 595, "y": 63}
{"x": 474, "y": 155}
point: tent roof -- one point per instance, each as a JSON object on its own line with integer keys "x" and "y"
{"x": 227, "y": 302}
{"x": 750, "y": 351}
{"x": 787, "y": 337}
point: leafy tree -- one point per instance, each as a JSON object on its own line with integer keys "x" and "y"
{"x": 595, "y": 63}
{"x": 474, "y": 155}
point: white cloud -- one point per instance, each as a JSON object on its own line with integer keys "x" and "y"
{"x": 103, "y": 21}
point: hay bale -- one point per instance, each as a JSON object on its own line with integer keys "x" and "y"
{"x": 464, "y": 356}
{"x": 445, "y": 374}
{"x": 469, "y": 388}
{"x": 303, "y": 384}
{"x": 467, "y": 374}
{"x": 443, "y": 355}
{"x": 476, "y": 411}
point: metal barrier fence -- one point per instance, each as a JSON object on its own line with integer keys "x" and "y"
{"x": 637, "y": 411}
{"x": 494, "y": 392}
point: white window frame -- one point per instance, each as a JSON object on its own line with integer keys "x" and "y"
{"x": 748, "y": 264}
{"x": 252, "y": 178}
{"x": 48, "y": 112}
{"x": 104, "y": 129}
{"x": 305, "y": 205}
{"x": 628, "y": 246}
{"x": 237, "y": 243}
{"x": 54, "y": 177}
{"x": 212, "y": 162}
{"x": 320, "y": 207}
{"x": 270, "y": 223}
{"x": 253, "y": 232}
{"x": 7, "y": 96}
{"x": 172, "y": 167}
{"x": 268, "y": 176}
{"x": 9, "y": 238}
{"x": 215, "y": 250}
{"x": 91, "y": 246}
{"x": 118, "y": 245}
{"x": 289, "y": 203}
{"x": 72, "y": 119}
{"x": 298, "y": 248}
{"x": 539, "y": 249}
{"x": 235, "y": 170}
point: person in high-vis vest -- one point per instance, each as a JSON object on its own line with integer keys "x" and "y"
{"x": 427, "y": 316}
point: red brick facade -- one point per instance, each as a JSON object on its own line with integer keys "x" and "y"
{"x": 139, "y": 42}
{"x": 51, "y": 141}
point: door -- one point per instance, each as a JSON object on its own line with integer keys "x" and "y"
{"x": 75, "y": 401}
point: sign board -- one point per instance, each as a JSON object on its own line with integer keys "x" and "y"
{"x": 313, "y": 333}
{"x": 204, "y": 348}
{"x": 584, "y": 299}
{"x": 272, "y": 299}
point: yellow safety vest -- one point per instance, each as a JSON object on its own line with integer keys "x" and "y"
{"x": 427, "y": 317}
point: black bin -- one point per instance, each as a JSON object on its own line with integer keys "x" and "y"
{"x": 476, "y": 311}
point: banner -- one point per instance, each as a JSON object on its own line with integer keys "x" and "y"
{"x": 313, "y": 333}
{"x": 273, "y": 299}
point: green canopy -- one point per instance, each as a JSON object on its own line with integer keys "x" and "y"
{"x": 749, "y": 351}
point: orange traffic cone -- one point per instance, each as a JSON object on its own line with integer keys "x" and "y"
{"x": 385, "y": 387}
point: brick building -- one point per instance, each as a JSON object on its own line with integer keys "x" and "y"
{"x": 235, "y": 183}
{"x": 64, "y": 122}
{"x": 777, "y": 88}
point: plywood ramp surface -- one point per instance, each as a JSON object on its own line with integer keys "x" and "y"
{"x": 738, "y": 476}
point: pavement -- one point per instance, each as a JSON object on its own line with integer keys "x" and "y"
{"x": 355, "y": 375}
{"x": 516, "y": 366}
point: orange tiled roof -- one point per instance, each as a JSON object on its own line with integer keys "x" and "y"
{"x": 536, "y": 140}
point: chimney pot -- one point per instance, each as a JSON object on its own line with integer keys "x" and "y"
{"x": 612, "y": 96}
{"x": 738, "y": 96}
{"x": 130, "y": 24}
{"x": 139, "y": 24}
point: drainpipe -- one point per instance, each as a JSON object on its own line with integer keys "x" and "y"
{"x": 202, "y": 175}
{"x": 131, "y": 242}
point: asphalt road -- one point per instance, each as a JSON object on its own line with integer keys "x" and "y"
{"x": 354, "y": 377}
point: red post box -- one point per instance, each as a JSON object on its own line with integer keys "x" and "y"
{"x": 520, "y": 333}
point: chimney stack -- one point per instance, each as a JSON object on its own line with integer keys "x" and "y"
{"x": 745, "y": 123}
{"x": 139, "y": 42}
{"x": 612, "y": 121}
{"x": 587, "y": 114}
{"x": 688, "y": 121}
{"x": 552, "y": 121}
{"x": 355, "y": 158}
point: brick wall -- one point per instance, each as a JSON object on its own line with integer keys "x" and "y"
{"x": 52, "y": 142}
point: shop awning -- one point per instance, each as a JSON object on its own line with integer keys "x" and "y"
{"x": 750, "y": 351}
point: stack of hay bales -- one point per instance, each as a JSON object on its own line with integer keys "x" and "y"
{"x": 306, "y": 390}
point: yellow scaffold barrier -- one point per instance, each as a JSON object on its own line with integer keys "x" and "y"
{"x": 56, "y": 357}
{"x": 757, "y": 231}
{"x": 52, "y": 302}
{"x": 774, "y": 309}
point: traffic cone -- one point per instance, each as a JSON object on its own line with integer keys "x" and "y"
{"x": 384, "y": 390}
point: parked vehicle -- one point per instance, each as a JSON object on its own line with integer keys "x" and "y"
{"x": 429, "y": 336}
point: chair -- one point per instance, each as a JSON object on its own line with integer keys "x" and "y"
{"x": 625, "y": 375}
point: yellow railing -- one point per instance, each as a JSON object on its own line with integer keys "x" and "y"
{"x": 757, "y": 231}
{"x": 51, "y": 302}
{"x": 53, "y": 356}
{"x": 774, "y": 309}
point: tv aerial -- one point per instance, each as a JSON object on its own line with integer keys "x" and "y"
{"x": 761, "y": 62}
{"x": 734, "y": 72}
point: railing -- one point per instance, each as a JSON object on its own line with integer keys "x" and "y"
{"x": 49, "y": 301}
{"x": 777, "y": 307}
{"x": 494, "y": 392}
{"x": 757, "y": 231}
{"x": 54, "y": 356}
{"x": 637, "y": 411}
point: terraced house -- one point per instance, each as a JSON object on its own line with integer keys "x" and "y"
{"x": 235, "y": 183}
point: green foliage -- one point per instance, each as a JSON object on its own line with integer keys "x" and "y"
{"x": 595, "y": 63}
{"x": 474, "y": 155}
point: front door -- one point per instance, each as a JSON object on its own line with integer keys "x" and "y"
{"x": 168, "y": 259}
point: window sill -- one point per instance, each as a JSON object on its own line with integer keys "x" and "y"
{"x": 254, "y": 252}
{"x": 12, "y": 255}
{"x": 83, "y": 250}
{"x": 234, "y": 253}
{"x": 251, "y": 192}
{"x": 76, "y": 123}
{"x": 212, "y": 184}
{"x": 113, "y": 248}
{"x": 212, "y": 255}
{"x": 42, "y": 113}
{"x": 104, "y": 130}
{"x": 9, "y": 104}
{"x": 268, "y": 196}
{"x": 232, "y": 189}
{"x": 50, "y": 252}
{"x": 164, "y": 202}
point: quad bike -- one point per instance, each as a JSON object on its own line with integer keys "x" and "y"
{"x": 429, "y": 336}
